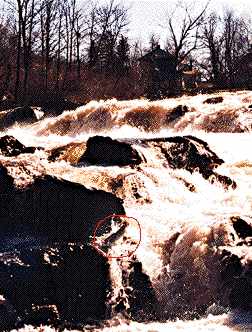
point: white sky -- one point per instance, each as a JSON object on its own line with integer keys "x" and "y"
{"x": 147, "y": 15}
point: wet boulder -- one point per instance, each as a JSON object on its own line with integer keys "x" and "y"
{"x": 19, "y": 115}
{"x": 214, "y": 100}
{"x": 186, "y": 152}
{"x": 192, "y": 154}
{"x": 176, "y": 113}
{"x": 106, "y": 151}
{"x": 54, "y": 284}
{"x": 7, "y": 182}
{"x": 142, "y": 299}
{"x": 55, "y": 104}
{"x": 8, "y": 315}
{"x": 52, "y": 208}
{"x": 11, "y": 147}
{"x": 242, "y": 228}
{"x": 236, "y": 266}
{"x": 41, "y": 315}
{"x": 236, "y": 279}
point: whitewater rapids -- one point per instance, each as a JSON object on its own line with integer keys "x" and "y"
{"x": 166, "y": 205}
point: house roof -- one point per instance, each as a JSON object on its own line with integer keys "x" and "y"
{"x": 156, "y": 53}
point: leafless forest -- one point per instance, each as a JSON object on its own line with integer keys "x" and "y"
{"x": 54, "y": 49}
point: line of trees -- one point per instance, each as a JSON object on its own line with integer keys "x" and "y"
{"x": 56, "y": 46}
{"x": 214, "y": 42}
{"x": 227, "y": 39}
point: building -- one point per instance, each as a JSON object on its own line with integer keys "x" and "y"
{"x": 159, "y": 72}
{"x": 162, "y": 77}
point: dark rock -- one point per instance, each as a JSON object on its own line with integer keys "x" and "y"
{"x": 192, "y": 154}
{"x": 242, "y": 228}
{"x": 11, "y": 147}
{"x": 214, "y": 100}
{"x": 142, "y": 299}
{"x": 226, "y": 181}
{"x": 6, "y": 181}
{"x": 231, "y": 267}
{"x": 241, "y": 294}
{"x": 236, "y": 278}
{"x": 187, "y": 184}
{"x": 106, "y": 151}
{"x": 41, "y": 315}
{"x": 56, "y": 105}
{"x": 56, "y": 284}
{"x": 53, "y": 209}
{"x": 176, "y": 113}
{"x": 8, "y": 315}
{"x": 7, "y": 102}
{"x": 20, "y": 115}
{"x": 187, "y": 152}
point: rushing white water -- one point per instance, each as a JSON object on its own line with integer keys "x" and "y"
{"x": 166, "y": 205}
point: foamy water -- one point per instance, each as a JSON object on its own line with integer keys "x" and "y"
{"x": 166, "y": 206}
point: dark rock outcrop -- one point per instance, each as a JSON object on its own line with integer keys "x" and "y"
{"x": 50, "y": 285}
{"x": 7, "y": 102}
{"x": 106, "y": 151}
{"x": 56, "y": 105}
{"x": 176, "y": 113}
{"x": 187, "y": 152}
{"x": 55, "y": 209}
{"x": 6, "y": 181}
{"x": 8, "y": 315}
{"x": 11, "y": 147}
{"x": 236, "y": 278}
{"x": 242, "y": 228}
{"x": 236, "y": 267}
{"x": 214, "y": 100}
{"x": 142, "y": 299}
{"x": 137, "y": 299}
{"x": 42, "y": 315}
{"x": 192, "y": 154}
{"x": 49, "y": 274}
{"x": 20, "y": 115}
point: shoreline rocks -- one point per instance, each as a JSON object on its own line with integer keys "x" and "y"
{"x": 19, "y": 115}
{"x": 214, "y": 100}
{"x": 54, "y": 284}
{"x": 106, "y": 151}
{"x": 11, "y": 147}
{"x": 192, "y": 154}
{"x": 49, "y": 274}
{"x": 53, "y": 208}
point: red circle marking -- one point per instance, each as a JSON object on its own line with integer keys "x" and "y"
{"x": 101, "y": 222}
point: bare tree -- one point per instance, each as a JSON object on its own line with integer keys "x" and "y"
{"x": 213, "y": 41}
{"x": 184, "y": 39}
{"x": 226, "y": 38}
{"x": 107, "y": 22}
{"x": 59, "y": 42}
{"x": 24, "y": 12}
{"x": 235, "y": 42}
